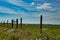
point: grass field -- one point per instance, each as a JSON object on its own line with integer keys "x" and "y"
{"x": 29, "y": 31}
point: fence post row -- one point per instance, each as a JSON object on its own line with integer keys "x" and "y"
{"x": 21, "y": 23}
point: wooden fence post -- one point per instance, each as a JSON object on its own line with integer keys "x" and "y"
{"x": 1, "y": 23}
{"x": 12, "y": 22}
{"x": 4, "y": 23}
{"x": 20, "y": 23}
{"x": 16, "y": 23}
{"x": 7, "y": 23}
{"x": 41, "y": 24}
{"x": 41, "y": 27}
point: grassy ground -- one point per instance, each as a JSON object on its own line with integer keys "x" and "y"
{"x": 30, "y": 31}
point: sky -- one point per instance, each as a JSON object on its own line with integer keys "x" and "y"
{"x": 30, "y": 11}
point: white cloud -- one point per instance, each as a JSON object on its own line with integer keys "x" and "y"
{"x": 32, "y": 3}
{"x": 18, "y": 2}
{"x": 7, "y": 10}
{"x": 11, "y": 11}
{"x": 23, "y": 4}
{"x": 44, "y": 6}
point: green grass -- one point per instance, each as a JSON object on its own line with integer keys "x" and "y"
{"x": 33, "y": 29}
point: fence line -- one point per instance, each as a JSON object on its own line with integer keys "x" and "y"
{"x": 12, "y": 25}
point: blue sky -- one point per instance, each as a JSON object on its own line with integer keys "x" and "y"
{"x": 30, "y": 11}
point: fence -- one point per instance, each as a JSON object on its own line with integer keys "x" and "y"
{"x": 12, "y": 23}
{"x": 3, "y": 24}
{"x": 42, "y": 36}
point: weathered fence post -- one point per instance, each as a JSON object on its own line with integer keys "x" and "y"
{"x": 41, "y": 27}
{"x": 12, "y": 22}
{"x": 41, "y": 24}
{"x": 4, "y": 23}
{"x": 1, "y": 23}
{"x": 20, "y": 23}
{"x": 7, "y": 23}
{"x": 16, "y": 23}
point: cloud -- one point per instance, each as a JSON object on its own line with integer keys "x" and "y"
{"x": 32, "y": 3}
{"x": 44, "y": 6}
{"x": 28, "y": 7}
{"x": 11, "y": 11}
{"x": 15, "y": 2}
{"x": 18, "y": 3}
{"x": 48, "y": 18}
{"x": 7, "y": 10}
{"x": 30, "y": 12}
